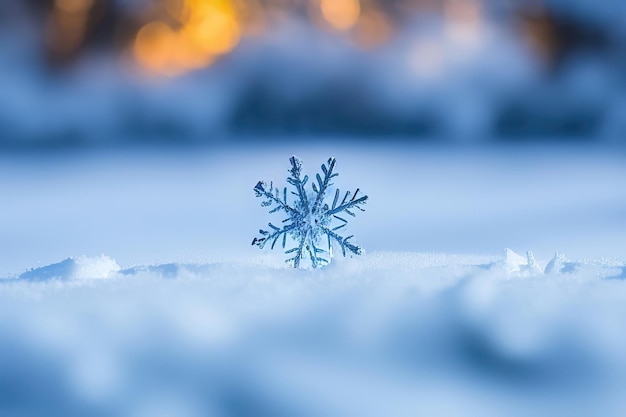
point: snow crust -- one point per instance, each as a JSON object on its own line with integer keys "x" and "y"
{"x": 389, "y": 333}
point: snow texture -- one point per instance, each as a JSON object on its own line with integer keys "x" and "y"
{"x": 389, "y": 333}
{"x": 310, "y": 217}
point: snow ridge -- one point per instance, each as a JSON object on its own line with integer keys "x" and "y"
{"x": 507, "y": 266}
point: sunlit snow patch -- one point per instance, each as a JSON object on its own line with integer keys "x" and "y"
{"x": 83, "y": 267}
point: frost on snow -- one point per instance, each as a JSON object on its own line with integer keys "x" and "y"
{"x": 310, "y": 219}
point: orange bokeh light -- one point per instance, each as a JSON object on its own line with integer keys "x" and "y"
{"x": 214, "y": 30}
{"x": 341, "y": 14}
{"x": 188, "y": 56}
{"x": 209, "y": 28}
{"x": 155, "y": 46}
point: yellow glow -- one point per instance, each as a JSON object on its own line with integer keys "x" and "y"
{"x": 341, "y": 14}
{"x": 73, "y": 6}
{"x": 215, "y": 31}
{"x": 154, "y": 47}
{"x": 209, "y": 28}
{"x": 188, "y": 56}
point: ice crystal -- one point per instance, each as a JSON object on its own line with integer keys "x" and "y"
{"x": 310, "y": 219}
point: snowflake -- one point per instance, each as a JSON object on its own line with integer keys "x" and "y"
{"x": 309, "y": 219}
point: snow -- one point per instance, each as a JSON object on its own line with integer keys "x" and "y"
{"x": 391, "y": 332}
{"x": 74, "y": 268}
{"x": 163, "y": 307}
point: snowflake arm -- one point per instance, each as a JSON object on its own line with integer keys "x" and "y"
{"x": 343, "y": 242}
{"x": 296, "y": 169}
{"x": 346, "y": 204}
{"x": 273, "y": 236}
{"x": 272, "y": 196}
{"x": 323, "y": 185}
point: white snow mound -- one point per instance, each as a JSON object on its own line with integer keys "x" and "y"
{"x": 80, "y": 268}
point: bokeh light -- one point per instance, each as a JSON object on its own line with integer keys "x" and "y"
{"x": 212, "y": 26}
{"x": 341, "y": 14}
{"x": 155, "y": 47}
{"x": 208, "y": 29}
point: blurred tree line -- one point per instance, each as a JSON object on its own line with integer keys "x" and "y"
{"x": 556, "y": 30}
{"x": 469, "y": 69}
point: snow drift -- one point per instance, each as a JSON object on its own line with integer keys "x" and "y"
{"x": 392, "y": 333}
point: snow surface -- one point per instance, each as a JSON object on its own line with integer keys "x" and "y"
{"x": 182, "y": 317}
{"x": 199, "y": 205}
{"x": 392, "y": 333}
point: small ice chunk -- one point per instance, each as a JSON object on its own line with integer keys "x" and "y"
{"x": 531, "y": 266}
{"x": 514, "y": 262}
{"x": 556, "y": 264}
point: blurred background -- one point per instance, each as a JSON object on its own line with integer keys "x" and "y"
{"x": 118, "y": 72}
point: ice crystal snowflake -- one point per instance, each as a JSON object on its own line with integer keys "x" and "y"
{"x": 309, "y": 219}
